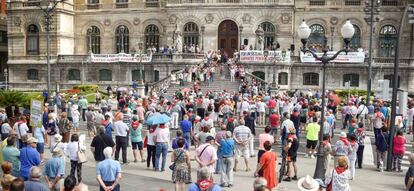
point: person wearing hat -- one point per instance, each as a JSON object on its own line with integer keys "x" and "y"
{"x": 206, "y": 154}
{"x": 307, "y": 183}
{"x": 54, "y": 170}
{"x": 291, "y": 148}
{"x": 343, "y": 147}
{"x": 338, "y": 178}
{"x": 29, "y": 157}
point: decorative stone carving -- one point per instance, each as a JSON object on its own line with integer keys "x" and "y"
{"x": 136, "y": 21}
{"x": 334, "y": 20}
{"x": 17, "y": 21}
{"x": 209, "y": 18}
{"x": 247, "y": 19}
{"x": 178, "y": 40}
{"x": 173, "y": 19}
{"x": 286, "y": 18}
{"x": 259, "y": 38}
{"x": 107, "y": 22}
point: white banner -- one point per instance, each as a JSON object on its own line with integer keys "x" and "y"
{"x": 258, "y": 56}
{"x": 351, "y": 57}
{"x": 121, "y": 57}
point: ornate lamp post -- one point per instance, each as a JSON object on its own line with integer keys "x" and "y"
{"x": 203, "y": 29}
{"x": 140, "y": 87}
{"x": 122, "y": 36}
{"x": 6, "y": 74}
{"x": 240, "y": 30}
{"x": 48, "y": 12}
{"x": 304, "y": 32}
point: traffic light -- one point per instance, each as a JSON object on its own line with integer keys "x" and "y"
{"x": 411, "y": 14}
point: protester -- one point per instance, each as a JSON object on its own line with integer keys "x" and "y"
{"x": 72, "y": 150}
{"x": 108, "y": 172}
{"x": 409, "y": 176}
{"x": 29, "y": 157}
{"x": 90, "y": 121}
{"x": 179, "y": 135}
{"x": 242, "y": 136}
{"x": 342, "y": 147}
{"x": 398, "y": 151}
{"x": 12, "y": 155}
{"x": 274, "y": 123}
{"x": 39, "y": 134}
{"x": 339, "y": 177}
{"x": 5, "y": 129}
{"x": 182, "y": 169}
{"x": 360, "y": 136}
{"x": 268, "y": 166}
{"x": 22, "y": 130}
{"x": 54, "y": 170}
{"x": 186, "y": 128}
{"x": 266, "y": 136}
{"x": 292, "y": 146}
{"x": 327, "y": 151}
{"x": 107, "y": 123}
{"x": 227, "y": 160}
{"x": 206, "y": 154}
{"x": 352, "y": 156}
{"x": 151, "y": 147}
{"x": 161, "y": 139}
{"x": 64, "y": 127}
{"x": 312, "y": 134}
{"x": 121, "y": 137}
{"x": 204, "y": 181}
{"x": 136, "y": 139}
{"x": 381, "y": 142}
{"x": 17, "y": 185}
{"x": 7, "y": 177}
{"x": 34, "y": 184}
{"x": 51, "y": 129}
{"x": 99, "y": 143}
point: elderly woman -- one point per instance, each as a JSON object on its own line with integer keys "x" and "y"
{"x": 64, "y": 127}
{"x": 72, "y": 152}
{"x": 409, "y": 176}
{"x": 7, "y": 178}
{"x": 204, "y": 182}
{"x": 338, "y": 178}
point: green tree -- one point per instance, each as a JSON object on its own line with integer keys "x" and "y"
{"x": 12, "y": 98}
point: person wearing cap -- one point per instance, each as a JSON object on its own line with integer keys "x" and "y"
{"x": 109, "y": 172}
{"x": 339, "y": 177}
{"x": 226, "y": 152}
{"x": 34, "y": 184}
{"x": 291, "y": 148}
{"x": 342, "y": 147}
{"x": 54, "y": 170}
{"x": 206, "y": 154}
{"x": 29, "y": 157}
{"x": 307, "y": 183}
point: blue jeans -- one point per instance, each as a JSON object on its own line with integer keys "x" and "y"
{"x": 218, "y": 162}
{"x": 187, "y": 137}
{"x": 160, "y": 148}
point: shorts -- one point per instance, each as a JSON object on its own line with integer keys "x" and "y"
{"x": 273, "y": 131}
{"x": 292, "y": 158}
{"x": 40, "y": 148}
{"x": 311, "y": 144}
{"x": 242, "y": 151}
{"x": 136, "y": 145}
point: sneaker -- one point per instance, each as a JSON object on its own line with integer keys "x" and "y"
{"x": 295, "y": 178}
{"x": 223, "y": 185}
{"x": 230, "y": 185}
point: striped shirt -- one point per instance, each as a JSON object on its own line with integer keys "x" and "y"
{"x": 242, "y": 133}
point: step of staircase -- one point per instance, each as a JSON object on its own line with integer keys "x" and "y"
{"x": 217, "y": 85}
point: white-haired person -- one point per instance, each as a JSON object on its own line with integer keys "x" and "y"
{"x": 109, "y": 172}
{"x": 54, "y": 170}
{"x": 204, "y": 181}
{"x": 259, "y": 182}
{"x": 34, "y": 183}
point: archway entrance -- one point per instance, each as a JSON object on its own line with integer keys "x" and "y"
{"x": 228, "y": 37}
{"x": 259, "y": 74}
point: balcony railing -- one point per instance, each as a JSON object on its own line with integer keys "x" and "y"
{"x": 121, "y": 5}
{"x": 31, "y": 4}
{"x": 152, "y": 4}
{"x": 352, "y": 2}
{"x": 93, "y": 6}
{"x": 317, "y": 2}
{"x": 390, "y": 3}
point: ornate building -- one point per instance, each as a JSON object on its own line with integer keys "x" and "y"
{"x": 81, "y": 27}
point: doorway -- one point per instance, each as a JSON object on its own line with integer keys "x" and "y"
{"x": 228, "y": 37}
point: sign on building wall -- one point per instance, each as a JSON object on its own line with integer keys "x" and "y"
{"x": 351, "y": 57}
{"x": 36, "y": 113}
{"x": 113, "y": 58}
{"x": 259, "y": 56}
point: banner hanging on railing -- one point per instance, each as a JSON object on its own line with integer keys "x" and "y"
{"x": 351, "y": 57}
{"x": 122, "y": 57}
{"x": 259, "y": 56}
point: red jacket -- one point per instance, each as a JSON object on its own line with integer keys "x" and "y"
{"x": 272, "y": 104}
{"x": 399, "y": 145}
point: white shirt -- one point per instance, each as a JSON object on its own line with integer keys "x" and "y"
{"x": 353, "y": 110}
{"x": 261, "y": 106}
{"x": 5, "y": 128}
{"x": 21, "y": 129}
{"x": 362, "y": 109}
{"x": 121, "y": 129}
{"x": 72, "y": 150}
{"x": 410, "y": 114}
{"x": 150, "y": 138}
{"x": 287, "y": 124}
{"x": 162, "y": 135}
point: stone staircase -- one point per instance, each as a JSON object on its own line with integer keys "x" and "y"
{"x": 218, "y": 84}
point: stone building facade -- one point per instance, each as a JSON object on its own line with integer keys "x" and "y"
{"x": 112, "y": 26}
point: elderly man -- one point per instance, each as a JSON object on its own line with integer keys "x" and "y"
{"x": 29, "y": 157}
{"x": 204, "y": 182}
{"x": 226, "y": 152}
{"x": 34, "y": 183}
{"x": 55, "y": 170}
{"x": 108, "y": 172}
{"x": 206, "y": 154}
{"x": 242, "y": 136}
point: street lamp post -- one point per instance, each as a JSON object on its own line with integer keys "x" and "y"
{"x": 241, "y": 30}
{"x": 48, "y": 14}
{"x": 372, "y": 8}
{"x": 6, "y": 74}
{"x": 304, "y": 32}
{"x": 203, "y": 28}
{"x": 140, "y": 86}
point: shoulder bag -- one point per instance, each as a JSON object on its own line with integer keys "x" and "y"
{"x": 329, "y": 186}
{"x": 172, "y": 166}
{"x": 81, "y": 155}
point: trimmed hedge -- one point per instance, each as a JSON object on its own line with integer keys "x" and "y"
{"x": 344, "y": 93}
{"x": 87, "y": 88}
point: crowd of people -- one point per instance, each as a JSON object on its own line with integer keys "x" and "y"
{"x": 220, "y": 126}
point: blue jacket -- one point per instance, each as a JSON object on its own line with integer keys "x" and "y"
{"x": 381, "y": 141}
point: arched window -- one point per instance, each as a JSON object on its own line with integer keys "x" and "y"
{"x": 259, "y": 74}
{"x": 152, "y": 36}
{"x": 136, "y": 75}
{"x": 32, "y": 74}
{"x": 356, "y": 39}
{"x": 156, "y": 75}
{"x": 311, "y": 79}
{"x": 353, "y": 79}
{"x": 94, "y": 40}
{"x": 387, "y": 41}
{"x": 269, "y": 34}
{"x": 105, "y": 75}
{"x": 317, "y": 38}
{"x": 122, "y": 39}
{"x": 283, "y": 78}
{"x": 190, "y": 34}
{"x": 32, "y": 40}
{"x": 390, "y": 77}
{"x": 74, "y": 74}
